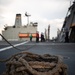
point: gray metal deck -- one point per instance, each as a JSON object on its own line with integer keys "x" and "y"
{"x": 66, "y": 50}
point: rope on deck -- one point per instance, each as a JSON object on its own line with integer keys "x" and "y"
{"x": 26, "y": 63}
{"x": 4, "y": 60}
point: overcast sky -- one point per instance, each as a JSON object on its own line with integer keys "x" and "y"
{"x": 44, "y": 12}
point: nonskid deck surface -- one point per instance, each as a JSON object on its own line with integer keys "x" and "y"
{"x": 65, "y": 50}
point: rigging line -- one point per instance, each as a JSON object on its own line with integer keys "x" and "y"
{"x": 14, "y": 46}
{"x": 5, "y": 60}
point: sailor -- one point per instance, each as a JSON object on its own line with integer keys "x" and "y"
{"x": 66, "y": 35}
{"x": 30, "y": 37}
{"x": 42, "y": 37}
{"x": 37, "y": 36}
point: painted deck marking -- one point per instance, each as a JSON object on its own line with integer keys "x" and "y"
{"x": 14, "y": 46}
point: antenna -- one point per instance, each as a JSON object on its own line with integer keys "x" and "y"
{"x": 70, "y": 3}
{"x": 27, "y": 15}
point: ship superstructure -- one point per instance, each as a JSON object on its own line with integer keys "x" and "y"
{"x": 67, "y": 33}
{"x": 19, "y": 32}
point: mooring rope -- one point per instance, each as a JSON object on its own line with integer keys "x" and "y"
{"x": 4, "y": 60}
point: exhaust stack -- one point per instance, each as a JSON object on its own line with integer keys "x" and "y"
{"x": 18, "y": 22}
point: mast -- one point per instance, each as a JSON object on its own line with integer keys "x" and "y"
{"x": 27, "y": 15}
{"x": 48, "y": 32}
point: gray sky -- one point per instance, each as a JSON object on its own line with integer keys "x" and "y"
{"x": 44, "y": 12}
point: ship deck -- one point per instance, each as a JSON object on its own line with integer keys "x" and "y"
{"x": 65, "y": 50}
